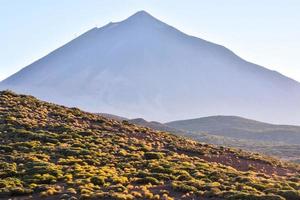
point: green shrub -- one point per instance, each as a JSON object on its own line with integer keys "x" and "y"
{"x": 117, "y": 188}
{"x": 153, "y": 155}
{"x": 147, "y": 180}
{"x": 42, "y": 179}
{"x": 161, "y": 169}
{"x": 162, "y": 176}
{"x": 182, "y": 187}
{"x": 98, "y": 180}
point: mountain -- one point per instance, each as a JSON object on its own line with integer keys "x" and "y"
{"x": 240, "y": 128}
{"x": 49, "y": 151}
{"x": 142, "y": 67}
{"x": 282, "y": 141}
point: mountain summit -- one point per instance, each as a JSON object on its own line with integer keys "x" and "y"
{"x": 142, "y": 67}
{"x": 142, "y": 16}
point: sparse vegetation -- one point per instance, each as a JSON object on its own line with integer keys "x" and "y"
{"x": 49, "y": 150}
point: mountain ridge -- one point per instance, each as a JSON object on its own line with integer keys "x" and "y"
{"x": 241, "y": 128}
{"x": 232, "y": 117}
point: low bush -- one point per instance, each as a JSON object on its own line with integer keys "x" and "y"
{"x": 147, "y": 180}
{"x": 153, "y": 155}
{"x": 98, "y": 180}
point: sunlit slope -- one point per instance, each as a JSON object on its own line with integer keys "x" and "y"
{"x": 48, "y": 150}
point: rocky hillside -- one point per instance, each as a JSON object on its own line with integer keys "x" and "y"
{"x": 53, "y": 152}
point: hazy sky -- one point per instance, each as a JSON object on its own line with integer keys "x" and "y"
{"x": 265, "y": 32}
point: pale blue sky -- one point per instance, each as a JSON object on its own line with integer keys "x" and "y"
{"x": 266, "y": 32}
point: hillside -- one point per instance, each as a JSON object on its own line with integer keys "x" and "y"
{"x": 240, "y": 128}
{"x": 262, "y": 141}
{"x": 54, "y": 152}
{"x": 142, "y": 67}
{"x": 111, "y": 116}
{"x": 158, "y": 126}
{"x": 154, "y": 125}
{"x": 285, "y": 151}
{"x": 282, "y": 141}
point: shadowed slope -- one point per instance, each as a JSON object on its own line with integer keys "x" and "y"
{"x": 240, "y": 128}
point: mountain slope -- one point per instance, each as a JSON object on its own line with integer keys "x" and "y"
{"x": 268, "y": 146}
{"x": 240, "y": 128}
{"x": 154, "y": 125}
{"x": 142, "y": 67}
{"x": 50, "y": 152}
{"x": 111, "y": 116}
{"x": 281, "y": 141}
{"x": 142, "y": 122}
